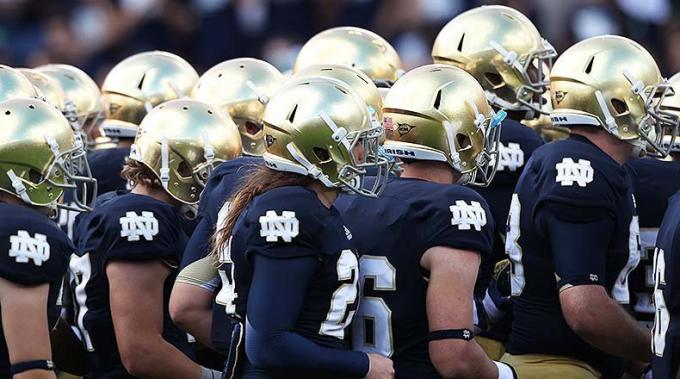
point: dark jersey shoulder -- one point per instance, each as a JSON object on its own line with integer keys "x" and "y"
{"x": 106, "y": 165}
{"x": 129, "y": 226}
{"x": 223, "y": 183}
{"x": 33, "y": 249}
{"x": 654, "y": 182}
{"x": 518, "y": 142}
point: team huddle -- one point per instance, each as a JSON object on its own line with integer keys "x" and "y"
{"x": 504, "y": 212}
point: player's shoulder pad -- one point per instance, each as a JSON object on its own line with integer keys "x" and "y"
{"x": 223, "y": 181}
{"x": 515, "y": 131}
{"x": 577, "y": 173}
{"x": 32, "y": 248}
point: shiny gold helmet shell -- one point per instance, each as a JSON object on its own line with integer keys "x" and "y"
{"x": 319, "y": 127}
{"x": 544, "y": 126}
{"x": 440, "y": 113}
{"x": 48, "y": 87}
{"x": 503, "y": 50}
{"x": 614, "y": 83}
{"x": 139, "y": 83}
{"x": 355, "y": 47}
{"x": 181, "y": 141}
{"x": 241, "y": 87}
{"x": 13, "y": 85}
{"x": 82, "y": 106}
{"x": 39, "y": 154}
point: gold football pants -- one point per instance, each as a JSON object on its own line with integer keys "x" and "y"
{"x": 541, "y": 366}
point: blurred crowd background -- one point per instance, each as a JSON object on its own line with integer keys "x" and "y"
{"x": 95, "y": 34}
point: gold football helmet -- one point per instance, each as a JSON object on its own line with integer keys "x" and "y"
{"x": 321, "y": 128}
{"x": 13, "y": 85}
{"x": 614, "y": 83}
{"x": 241, "y": 87}
{"x": 40, "y": 155}
{"x": 355, "y": 47}
{"x": 181, "y": 141}
{"x": 440, "y": 113}
{"x": 140, "y": 82}
{"x": 355, "y": 79}
{"x": 502, "y": 49}
{"x": 47, "y": 87}
{"x": 671, "y": 104}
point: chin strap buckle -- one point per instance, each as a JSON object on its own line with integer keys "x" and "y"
{"x": 165, "y": 169}
{"x": 18, "y": 186}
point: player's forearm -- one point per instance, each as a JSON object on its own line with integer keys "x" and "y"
{"x": 607, "y": 326}
{"x": 461, "y": 359}
{"x": 155, "y": 358}
{"x": 195, "y": 321}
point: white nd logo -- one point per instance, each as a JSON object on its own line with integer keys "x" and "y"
{"x": 24, "y": 248}
{"x": 465, "y": 216}
{"x": 273, "y": 226}
{"x": 510, "y": 157}
{"x": 134, "y": 226}
{"x": 569, "y": 172}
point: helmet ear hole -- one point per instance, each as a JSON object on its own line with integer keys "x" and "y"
{"x": 463, "y": 141}
{"x": 183, "y": 169}
{"x": 322, "y": 155}
{"x": 589, "y": 66}
{"x": 619, "y": 106}
{"x": 35, "y": 176}
{"x": 493, "y": 78}
{"x": 252, "y": 128}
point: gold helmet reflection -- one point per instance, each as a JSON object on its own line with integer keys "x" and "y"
{"x": 315, "y": 127}
{"x": 139, "y": 83}
{"x": 48, "y": 87}
{"x": 82, "y": 99}
{"x": 355, "y": 47}
{"x": 40, "y": 154}
{"x": 614, "y": 83}
{"x": 440, "y": 113}
{"x": 181, "y": 141}
{"x": 503, "y": 50}
{"x": 13, "y": 85}
{"x": 241, "y": 87}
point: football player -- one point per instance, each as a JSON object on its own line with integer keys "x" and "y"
{"x": 417, "y": 285}
{"x": 129, "y": 247}
{"x": 38, "y": 151}
{"x": 15, "y": 85}
{"x": 510, "y": 59}
{"x": 572, "y": 229}
{"x": 354, "y": 47}
{"x": 282, "y": 225}
{"x": 665, "y": 338}
{"x": 240, "y": 88}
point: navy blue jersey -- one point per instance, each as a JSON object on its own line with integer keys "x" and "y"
{"x": 518, "y": 142}
{"x": 565, "y": 185}
{"x": 391, "y": 234}
{"x": 291, "y": 222}
{"x": 122, "y": 227}
{"x": 666, "y": 333}
{"x": 33, "y": 251}
{"x": 655, "y": 182}
{"x": 105, "y": 165}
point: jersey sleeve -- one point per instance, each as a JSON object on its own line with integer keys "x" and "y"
{"x": 285, "y": 224}
{"x": 459, "y": 218}
{"x": 143, "y": 235}
{"x": 201, "y": 273}
{"x": 33, "y": 252}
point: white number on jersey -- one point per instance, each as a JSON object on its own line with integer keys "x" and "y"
{"x": 338, "y": 317}
{"x": 513, "y": 249}
{"x": 80, "y": 271}
{"x": 373, "y": 312}
{"x": 663, "y": 318}
{"x": 644, "y": 303}
{"x": 227, "y": 294}
{"x": 620, "y": 291}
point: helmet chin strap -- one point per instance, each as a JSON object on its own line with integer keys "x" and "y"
{"x": 311, "y": 169}
{"x": 165, "y": 170}
{"x": 609, "y": 121}
{"x": 18, "y": 186}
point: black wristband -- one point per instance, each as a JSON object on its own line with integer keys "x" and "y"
{"x": 43, "y": 364}
{"x": 459, "y": 334}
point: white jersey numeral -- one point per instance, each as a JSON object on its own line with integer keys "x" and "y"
{"x": 339, "y": 317}
{"x": 227, "y": 294}
{"x": 662, "y": 318}
{"x": 80, "y": 271}
{"x": 373, "y": 312}
{"x": 620, "y": 291}
{"x": 513, "y": 249}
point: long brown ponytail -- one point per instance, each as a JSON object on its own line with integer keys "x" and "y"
{"x": 260, "y": 180}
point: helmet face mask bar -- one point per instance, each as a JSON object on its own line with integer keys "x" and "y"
{"x": 660, "y": 128}
{"x": 367, "y": 143}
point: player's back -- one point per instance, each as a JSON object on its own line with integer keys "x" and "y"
{"x": 577, "y": 182}
{"x": 122, "y": 227}
{"x": 33, "y": 251}
{"x": 391, "y": 234}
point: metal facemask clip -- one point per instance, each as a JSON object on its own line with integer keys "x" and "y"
{"x": 18, "y": 186}
{"x": 609, "y": 120}
{"x": 165, "y": 169}
{"x": 339, "y": 133}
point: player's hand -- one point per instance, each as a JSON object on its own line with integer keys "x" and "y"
{"x": 379, "y": 367}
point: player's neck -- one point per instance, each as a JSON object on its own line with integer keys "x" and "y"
{"x": 326, "y": 195}
{"x": 124, "y": 142}
{"x": 156, "y": 193}
{"x": 437, "y": 172}
{"x": 618, "y": 150}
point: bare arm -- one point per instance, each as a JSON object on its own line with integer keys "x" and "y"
{"x": 24, "y": 322}
{"x": 603, "y": 323}
{"x": 191, "y": 310}
{"x": 136, "y": 296}
{"x": 449, "y": 306}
